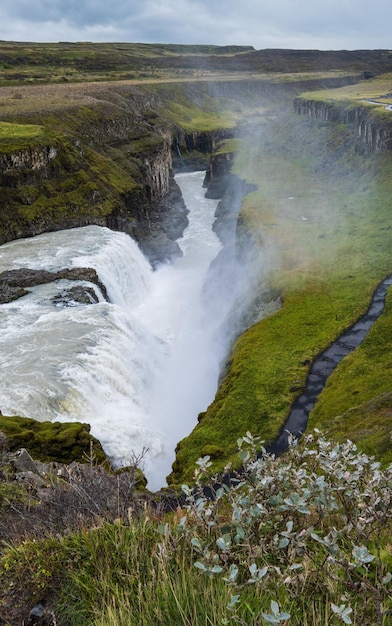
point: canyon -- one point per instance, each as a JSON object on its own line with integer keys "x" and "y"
{"x": 112, "y": 164}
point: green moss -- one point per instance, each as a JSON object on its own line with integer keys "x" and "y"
{"x": 51, "y": 441}
{"x": 214, "y": 452}
{"x": 192, "y": 118}
{"x": 77, "y": 187}
{"x": 20, "y": 136}
{"x": 192, "y": 108}
{"x": 228, "y": 146}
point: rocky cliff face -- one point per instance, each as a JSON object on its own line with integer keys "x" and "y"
{"x": 26, "y": 165}
{"x": 154, "y": 212}
{"x": 111, "y": 164}
{"x": 375, "y": 131}
{"x": 217, "y": 174}
{"x": 115, "y": 169}
{"x": 184, "y": 144}
{"x": 52, "y": 187}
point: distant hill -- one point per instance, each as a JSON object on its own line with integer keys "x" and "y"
{"x": 22, "y": 62}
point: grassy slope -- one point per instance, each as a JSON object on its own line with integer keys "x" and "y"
{"x": 378, "y": 89}
{"x": 21, "y": 135}
{"x": 322, "y": 215}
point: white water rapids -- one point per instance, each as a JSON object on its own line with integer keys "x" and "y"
{"x": 138, "y": 369}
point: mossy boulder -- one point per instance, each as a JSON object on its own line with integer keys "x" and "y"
{"x": 52, "y": 441}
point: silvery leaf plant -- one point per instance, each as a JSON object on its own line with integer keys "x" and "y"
{"x": 314, "y": 521}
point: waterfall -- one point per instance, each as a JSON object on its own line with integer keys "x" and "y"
{"x": 139, "y": 368}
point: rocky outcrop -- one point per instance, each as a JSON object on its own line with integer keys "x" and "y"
{"x": 373, "y": 129}
{"x": 157, "y": 169}
{"x": 217, "y": 174}
{"x": 222, "y": 184}
{"x": 44, "y": 493}
{"x": 15, "y": 283}
{"x": 159, "y": 210}
{"x": 50, "y": 188}
{"x": 50, "y": 441}
{"x": 61, "y": 476}
{"x": 25, "y": 166}
{"x": 191, "y": 151}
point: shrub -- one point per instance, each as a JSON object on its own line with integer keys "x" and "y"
{"x": 315, "y": 523}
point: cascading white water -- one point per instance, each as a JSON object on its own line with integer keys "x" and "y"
{"x": 138, "y": 369}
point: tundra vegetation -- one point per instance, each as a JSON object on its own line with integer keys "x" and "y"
{"x": 300, "y": 540}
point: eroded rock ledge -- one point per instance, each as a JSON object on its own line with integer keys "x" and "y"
{"x": 15, "y": 283}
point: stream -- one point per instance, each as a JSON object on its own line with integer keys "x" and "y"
{"x": 323, "y": 366}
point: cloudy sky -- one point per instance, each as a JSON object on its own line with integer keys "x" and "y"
{"x": 306, "y": 24}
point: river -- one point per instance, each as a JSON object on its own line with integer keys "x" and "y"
{"x": 139, "y": 368}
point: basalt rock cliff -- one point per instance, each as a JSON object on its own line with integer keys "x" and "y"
{"x": 110, "y": 160}
{"x": 118, "y": 173}
{"x": 372, "y": 124}
{"x": 75, "y": 183}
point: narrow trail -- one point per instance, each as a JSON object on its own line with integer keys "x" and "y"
{"x": 323, "y": 366}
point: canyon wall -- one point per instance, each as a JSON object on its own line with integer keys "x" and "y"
{"x": 111, "y": 168}
{"x": 111, "y": 162}
{"x": 373, "y": 124}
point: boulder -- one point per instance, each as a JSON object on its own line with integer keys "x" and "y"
{"x": 23, "y": 462}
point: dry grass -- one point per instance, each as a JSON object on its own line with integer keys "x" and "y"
{"x": 375, "y": 89}
{"x": 26, "y": 99}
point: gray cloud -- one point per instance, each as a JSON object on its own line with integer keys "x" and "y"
{"x": 332, "y": 24}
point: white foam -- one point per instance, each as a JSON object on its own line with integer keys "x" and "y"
{"x": 138, "y": 369}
